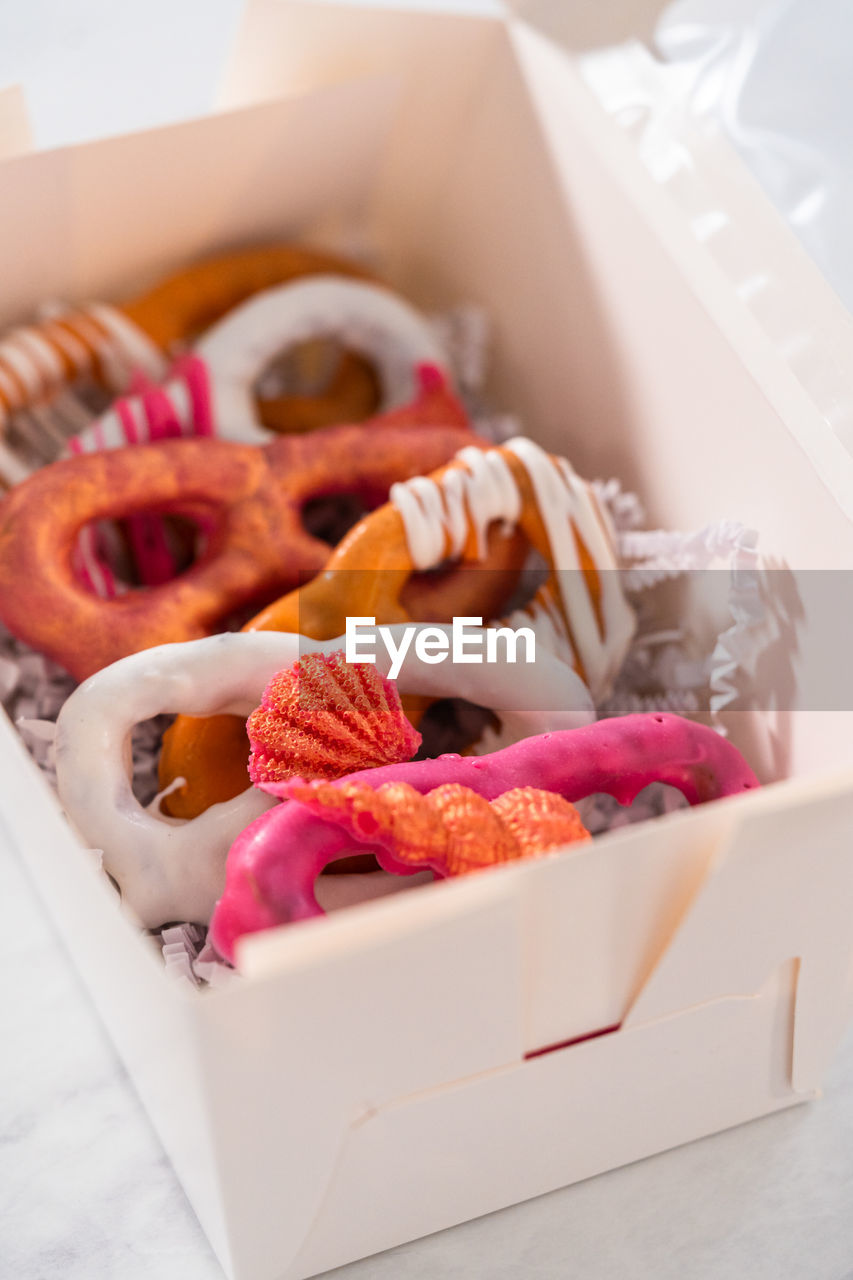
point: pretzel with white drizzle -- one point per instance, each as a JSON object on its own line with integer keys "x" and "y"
{"x": 111, "y": 343}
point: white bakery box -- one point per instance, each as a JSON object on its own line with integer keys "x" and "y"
{"x": 408, "y": 1064}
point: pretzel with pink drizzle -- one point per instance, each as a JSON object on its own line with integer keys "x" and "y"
{"x": 180, "y": 408}
{"x": 213, "y": 392}
{"x": 253, "y": 496}
{"x": 273, "y": 864}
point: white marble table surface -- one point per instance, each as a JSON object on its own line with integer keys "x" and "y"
{"x": 85, "y": 1190}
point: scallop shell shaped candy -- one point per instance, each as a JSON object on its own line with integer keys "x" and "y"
{"x": 325, "y": 717}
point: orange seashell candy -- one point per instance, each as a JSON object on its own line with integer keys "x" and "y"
{"x": 325, "y": 717}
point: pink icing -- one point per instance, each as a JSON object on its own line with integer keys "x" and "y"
{"x": 273, "y": 864}
{"x": 148, "y": 415}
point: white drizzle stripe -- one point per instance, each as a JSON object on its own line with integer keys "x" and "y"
{"x": 75, "y": 351}
{"x": 437, "y": 516}
{"x": 564, "y": 503}
{"x": 88, "y": 559}
{"x": 89, "y": 333}
{"x": 33, "y": 357}
{"x": 474, "y": 494}
{"x": 36, "y": 357}
{"x": 9, "y": 388}
{"x": 568, "y": 507}
{"x": 43, "y": 355}
{"x": 546, "y": 621}
{"x": 133, "y": 343}
{"x": 108, "y": 431}
{"x": 179, "y": 394}
{"x": 21, "y": 364}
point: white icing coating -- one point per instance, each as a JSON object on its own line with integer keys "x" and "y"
{"x": 169, "y": 869}
{"x": 8, "y": 387}
{"x": 43, "y": 355}
{"x": 109, "y": 432}
{"x": 570, "y": 510}
{"x": 25, "y": 369}
{"x": 129, "y": 342}
{"x": 437, "y": 516}
{"x": 94, "y": 339}
{"x": 366, "y": 318}
{"x": 68, "y": 343}
{"x": 31, "y": 358}
{"x": 177, "y": 389}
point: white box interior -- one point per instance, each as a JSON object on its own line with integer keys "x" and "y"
{"x": 481, "y": 169}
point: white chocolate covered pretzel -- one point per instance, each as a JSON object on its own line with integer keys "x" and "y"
{"x": 168, "y": 869}
{"x": 365, "y": 318}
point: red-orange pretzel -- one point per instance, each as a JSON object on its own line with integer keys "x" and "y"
{"x": 252, "y": 498}
{"x": 108, "y": 343}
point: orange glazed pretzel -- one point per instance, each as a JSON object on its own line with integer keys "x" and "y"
{"x": 252, "y": 499}
{"x": 455, "y": 514}
{"x": 109, "y": 343}
{"x": 463, "y": 512}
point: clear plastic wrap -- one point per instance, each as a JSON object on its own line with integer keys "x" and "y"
{"x": 777, "y": 75}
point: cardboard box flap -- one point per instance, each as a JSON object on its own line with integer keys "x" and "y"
{"x": 333, "y": 37}
{"x": 597, "y": 921}
{"x": 365, "y": 1010}
{"x": 289, "y": 46}
{"x": 622, "y": 932}
{"x": 16, "y": 135}
{"x": 577, "y": 27}
{"x": 513, "y": 1135}
{"x": 736, "y": 933}
{"x": 182, "y": 193}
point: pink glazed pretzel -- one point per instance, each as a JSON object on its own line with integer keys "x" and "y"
{"x": 273, "y": 864}
{"x": 169, "y": 869}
